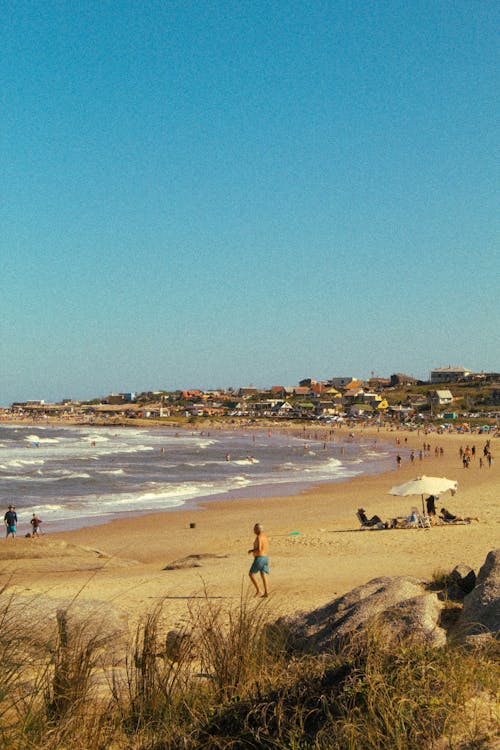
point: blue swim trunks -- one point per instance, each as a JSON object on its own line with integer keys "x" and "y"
{"x": 11, "y": 529}
{"x": 260, "y": 564}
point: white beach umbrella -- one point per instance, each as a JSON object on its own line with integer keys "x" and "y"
{"x": 425, "y": 486}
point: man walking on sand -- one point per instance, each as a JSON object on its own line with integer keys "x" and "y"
{"x": 10, "y": 521}
{"x": 260, "y": 560}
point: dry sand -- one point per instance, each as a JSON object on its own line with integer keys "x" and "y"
{"x": 317, "y": 550}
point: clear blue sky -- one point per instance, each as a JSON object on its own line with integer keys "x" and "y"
{"x": 203, "y": 194}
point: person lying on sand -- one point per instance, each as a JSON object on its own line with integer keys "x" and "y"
{"x": 448, "y": 517}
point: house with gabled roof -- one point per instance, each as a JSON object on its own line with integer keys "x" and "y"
{"x": 351, "y": 393}
{"x": 332, "y": 392}
{"x": 398, "y": 378}
{"x": 441, "y": 398}
{"x": 347, "y": 382}
{"x": 327, "y": 408}
{"x": 278, "y": 390}
{"x": 377, "y": 382}
{"x": 194, "y": 393}
{"x": 297, "y": 390}
{"x": 247, "y": 390}
{"x": 360, "y": 410}
{"x": 283, "y": 409}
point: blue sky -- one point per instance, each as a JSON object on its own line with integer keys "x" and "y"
{"x": 205, "y": 194}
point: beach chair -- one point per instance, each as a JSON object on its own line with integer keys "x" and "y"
{"x": 424, "y": 522}
{"x": 361, "y": 521}
{"x": 418, "y": 521}
{"x": 413, "y": 520}
{"x": 373, "y": 523}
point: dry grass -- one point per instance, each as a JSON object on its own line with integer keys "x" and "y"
{"x": 229, "y": 683}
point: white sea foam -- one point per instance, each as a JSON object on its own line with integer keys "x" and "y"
{"x": 96, "y": 438}
{"x": 161, "y": 497}
{"x": 19, "y": 463}
{"x": 196, "y": 464}
{"x": 74, "y": 475}
{"x": 127, "y": 472}
{"x": 40, "y": 478}
{"x": 334, "y": 462}
{"x": 126, "y": 449}
{"x": 66, "y": 476}
{"x": 287, "y": 466}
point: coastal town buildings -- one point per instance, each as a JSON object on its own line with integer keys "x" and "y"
{"x": 398, "y": 397}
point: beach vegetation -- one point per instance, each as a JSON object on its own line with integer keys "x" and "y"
{"x": 229, "y": 679}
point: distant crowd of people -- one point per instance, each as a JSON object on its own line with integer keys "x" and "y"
{"x": 421, "y": 453}
{"x": 469, "y": 453}
{"x": 466, "y": 454}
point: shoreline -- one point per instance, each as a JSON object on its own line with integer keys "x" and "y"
{"x": 337, "y": 444}
{"x": 317, "y": 550}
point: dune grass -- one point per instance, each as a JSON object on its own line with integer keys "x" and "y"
{"x": 227, "y": 681}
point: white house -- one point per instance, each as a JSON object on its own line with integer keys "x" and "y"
{"x": 442, "y": 398}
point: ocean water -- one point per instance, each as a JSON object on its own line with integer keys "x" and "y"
{"x": 75, "y": 476}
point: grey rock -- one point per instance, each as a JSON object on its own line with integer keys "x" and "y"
{"x": 481, "y": 610}
{"x": 192, "y": 561}
{"x": 416, "y": 618}
{"x": 400, "y": 606}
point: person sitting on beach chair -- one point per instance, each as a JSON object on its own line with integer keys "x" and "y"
{"x": 413, "y": 521}
{"x": 369, "y": 522}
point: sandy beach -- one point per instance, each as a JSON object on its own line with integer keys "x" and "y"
{"x": 317, "y": 550}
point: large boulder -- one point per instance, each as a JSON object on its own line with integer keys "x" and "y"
{"x": 400, "y": 606}
{"x": 481, "y": 610}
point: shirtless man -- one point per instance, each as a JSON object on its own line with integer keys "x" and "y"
{"x": 260, "y": 560}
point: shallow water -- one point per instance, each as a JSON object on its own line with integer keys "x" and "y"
{"x": 74, "y": 476}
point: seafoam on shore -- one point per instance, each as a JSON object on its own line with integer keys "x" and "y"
{"x": 74, "y": 476}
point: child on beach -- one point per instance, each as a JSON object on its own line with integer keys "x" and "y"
{"x": 35, "y": 525}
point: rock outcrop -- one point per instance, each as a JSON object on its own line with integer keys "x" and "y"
{"x": 481, "y": 610}
{"x": 405, "y": 606}
{"x": 399, "y": 606}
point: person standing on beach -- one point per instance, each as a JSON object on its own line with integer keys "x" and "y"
{"x": 260, "y": 560}
{"x": 431, "y": 507}
{"x": 10, "y": 521}
{"x": 35, "y": 525}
